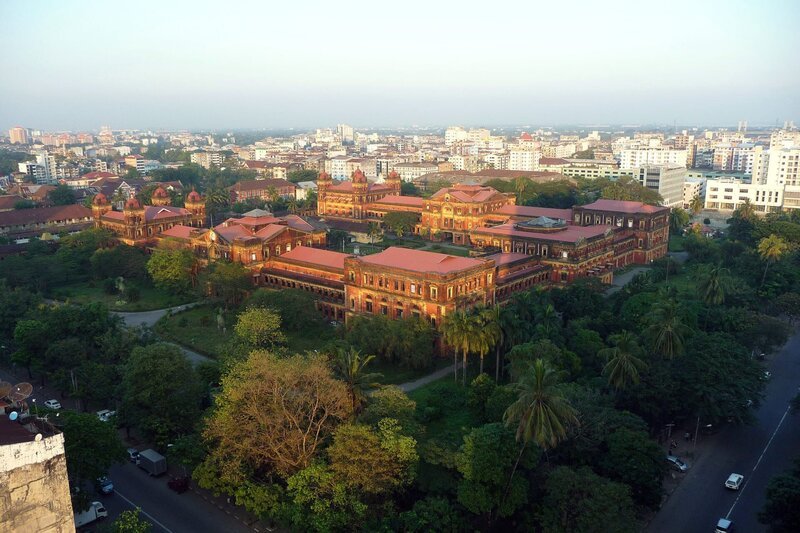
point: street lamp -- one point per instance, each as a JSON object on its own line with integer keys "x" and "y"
{"x": 35, "y": 409}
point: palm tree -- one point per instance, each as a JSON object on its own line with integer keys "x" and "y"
{"x": 292, "y": 204}
{"x": 667, "y": 330}
{"x": 622, "y": 366}
{"x": 521, "y": 186}
{"x": 374, "y": 231}
{"x": 771, "y": 249}
{"x": 350, "y": 366}
{"x": 712, "y": 285}
{"x": 494, "y": 320}
{"x": 487, "y": 334}
{"x": 678, "y": 218}
{"x": 746, "y": 211}
{"x": 696, "y": 205}
{"x": 455, "y": 331}
{"x": 548, "y": 322}
{"x": 542, "y": 413}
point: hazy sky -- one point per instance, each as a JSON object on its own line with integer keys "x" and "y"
{"x": 246, "y": 64}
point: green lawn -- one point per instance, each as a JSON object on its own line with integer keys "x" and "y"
{"x": 394, "y": 375}
{"x": 676, "y": 243}
{"x": 150, "y": 298}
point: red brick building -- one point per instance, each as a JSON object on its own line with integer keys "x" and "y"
{"x": 262, "y": 190}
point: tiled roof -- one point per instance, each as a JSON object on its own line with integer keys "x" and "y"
{"x": 553, "y": 161}
{"x": 98, "y": 175}
{"x": 531, "y": 212}
{"x": 468, "y": 193}
{"x": 623, "y": 206}
{"x": 7, "y": 201}
{"x": 347, "y": 186}
{"x": 420, "y": 261}
{"x": 569, "y": 234}
{"x": 315, "y": 256}
{"x": 259, "y": 185}
{"x": 179, "y": 232}
{"x": 414, "y": 201}
{"x": 44, "y": 215}
{"x": 506, "y": 258}
{"x": 152, "y": 212}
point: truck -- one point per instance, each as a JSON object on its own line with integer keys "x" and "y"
{"x": 96, "y": 511}
{"x": 153, "y": 462}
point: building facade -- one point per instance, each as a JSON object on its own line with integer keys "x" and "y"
{"x": 349, "y": 200}
{"x": 451, "y": 213}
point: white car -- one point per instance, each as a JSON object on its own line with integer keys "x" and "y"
{"x": 724, "y": 526}
{"x": 52, "y": 404}
{"x": 105, "y": 415}
{"x": 734, "y": 481}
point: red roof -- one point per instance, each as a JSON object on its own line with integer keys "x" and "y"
{"x": 261, "y": 185}
{"x": 167, "y": 211}
{"x": 553, "y": 161}
{"x": 414, "y": 201}
{"x": 533, "y": 212}
{"x": 421, "y": 261}
{"x": 179, "y": 232}
{"x": 159, "y": 192}
{"x": 98, "y": 175}
{"x": 526, "y": 136}
{"x": 623, "y": 206}
{"x": 347, "y": 186}
{"x": 506, "y": 258}
{"x": 7, "y": 201}
{"x": 569, "y": 234}
{"x": 315, "y": 256}
{"x": 44, "y": 215}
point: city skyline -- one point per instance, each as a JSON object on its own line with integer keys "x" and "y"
{"x": 194, "y": 66}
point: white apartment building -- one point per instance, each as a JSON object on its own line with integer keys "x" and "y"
{"x": 468, "y": 163}
{"x": 346, "y": 133}
{"x": 337, "y": 167}
{"x": 519, "y": 159}
{"x": 632, "y": 158}
{"x": 497, "y": 160}
{"x": 693, "y": 187}
{"x": 666, "y": 181}
{"x": 206, "y": 159}
{"x": 47, "y": 163}
{"x": 455, "y": 134}
{"x": 411, "y": 171}
{"x": 478, "y": 134}
{"x": 559, "y": 150}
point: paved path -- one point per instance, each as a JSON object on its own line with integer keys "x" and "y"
{"x": 424, "y": 380}
{"x": 149, "y": 318}
{"x": 623, "y": 279}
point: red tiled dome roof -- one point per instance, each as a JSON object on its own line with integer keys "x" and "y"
{"x": 160, "y": 193}
{"x": 99, "y": 199}
{"x": 133, "y": 203}
{"x": 359, "y": 177}
{"x": 324, "y": 176}
{"x": 393, "y": 175}
{"x": 194, "y": 196}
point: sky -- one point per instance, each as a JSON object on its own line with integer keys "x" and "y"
{"x": 227, "y": 64}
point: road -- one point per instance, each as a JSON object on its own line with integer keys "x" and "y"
{"x": 168, "y": 511}
{"x": 759, "y": 452}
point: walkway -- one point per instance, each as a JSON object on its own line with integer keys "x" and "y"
{"x": 424, "y": 380}
{"x": 623, "y": 279}
{"x": 149, "y": 318}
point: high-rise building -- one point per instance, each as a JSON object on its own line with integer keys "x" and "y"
{"x": 632, "y": 158}
{"x": 346, "y": 133}
{"x": 19, "y": 135}
{"x": 521, "y": 159}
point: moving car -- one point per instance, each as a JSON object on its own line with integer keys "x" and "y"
{"x": 677, "y": 463}
{"x": 52, "y": 404}
{"x": 104, "y": 485}
{"x": 734, "y": 481}
{"x": 105, "y": 415}
{"x": 723, "y": 526}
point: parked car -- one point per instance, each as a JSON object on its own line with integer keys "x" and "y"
{"x": 153, "y": 462}
{"x": 52, "y": 404}
{"x": 676, "y": 463}
{"x": 104, "y": 485}
{"x": 734, "y": 481}
{"x": 105, "y": 415}
{"x": 95, "y": 512}
{"x": 133, "y": 455}
{"x": 723, "y": 526}
{"x": 179, "y": 484}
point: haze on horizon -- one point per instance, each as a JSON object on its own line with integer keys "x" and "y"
{"x": 247, "y": 64}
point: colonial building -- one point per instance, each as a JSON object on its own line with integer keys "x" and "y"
{"x": 138, "y": 225}
{"x": 452, "y": 212}
{"x": 262, "y": 190}
{"x": 350, "y": 200}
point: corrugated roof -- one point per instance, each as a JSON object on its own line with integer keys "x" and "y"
{"x": 44, "y": 215}
{"x": 315, "y": 256}
{"x": 569, "y": 234}
{"x": 623, "y": 206}
{"x": 421, "y": 261}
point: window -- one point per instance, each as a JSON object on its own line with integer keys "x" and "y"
{"x": 413, "y": 288}
{"x": 449, "y": 293}
{"x": 384, "y": 310}
{"x": 398, "y": 313}
{"x": 435, "y": 293}
{"x": 278, "y": 250}
{"x": 252, "y": 257}
{"x": 369, "y": 306}
{"x": 288, "y": 247}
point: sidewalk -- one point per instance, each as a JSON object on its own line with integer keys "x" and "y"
{"x": 424, "y": 380}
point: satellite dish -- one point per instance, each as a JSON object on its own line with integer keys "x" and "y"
{"x": 20, "y": 392}
{"x": 13, "y": 416}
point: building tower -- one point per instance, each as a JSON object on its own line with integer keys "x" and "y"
{"x": 100, "y": 206}
{"x": 160, "y": 197}
{"x": 134, "y": 219}
{"x": 197, "y": 205}
{"x": 393, "y": 181}
{"x": 360, "y": 188}
{"x": 323, "y": 182}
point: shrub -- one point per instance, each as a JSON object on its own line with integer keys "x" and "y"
{"x": 183, "y": 322}
{"x": 109, "y": 286}
{"x": 205, "y": 321}
{"x": 132, "y": 294}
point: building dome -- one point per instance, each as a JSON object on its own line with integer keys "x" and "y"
{"x": 160, "y": 193}
{"x": 99, "y": 199}
{"x": 359, "y": 177}
{"x": 393, "y": 175}
{"x": 194, "y": 197}
{"x": 324, "y": 176}
{"x": 133, "y": 203}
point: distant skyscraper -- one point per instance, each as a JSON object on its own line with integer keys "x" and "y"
{"x": 346, "y": 133}
{"x": 19, "y": 135}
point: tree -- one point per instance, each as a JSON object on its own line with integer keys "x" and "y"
{"x": 172, "y": 270}
{"x": 456, "y": 330}
{"x": 322, "y": 502}
{"x": 624, "y": 365}
{"x": 259, "y": 327}
{"x": 771, "y": 249}
{"x": 31, "y": 339}
{"x": 638, "y": 461}
{"x": 130, "y": 522}
{"x": 488, "y": 332}
{"x": 678, "y": 218}
{"x": 400, "y": 222}
{"x": 375, "y": 462}
{"x": 160, "y": 392}
{"x": 666, "y": 331}
{"x": 229, "y": 282}
{"x": 121, "y": 260}
{"x": 781, "y": 511}
{"x": 484, "y": 460}
{"x": 91, "y": 447}
{"x": 579, "y": 501}
{"x": 627, "y": 188}
{"x": 789, "y": 304}
{"x": 274, "y": 413}
{"x": 522, "y": 356}
{"x": 390, "y": 401}
{"x": 296, "y": 307}
{"x": 696, "y": 205}
{"x": 434, "y": 513}
{"x": 713, "y": 284}
{"x": 350, "y": 367}
{"x": 521, "y": 186}
{"x": 374, "y": 231}
{"x": 62, "y": 195}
